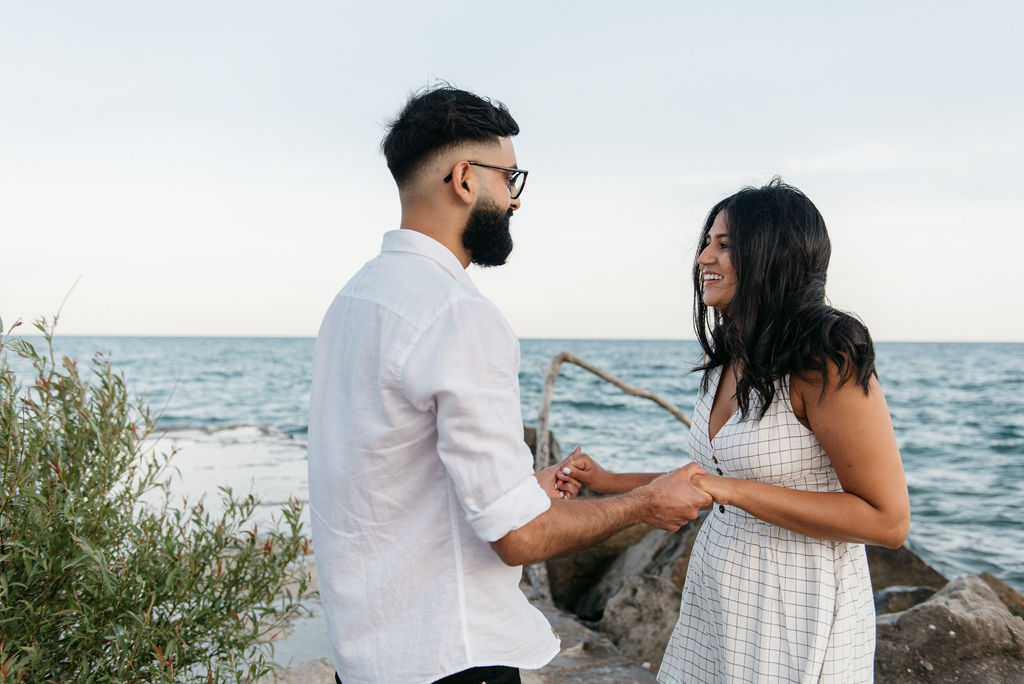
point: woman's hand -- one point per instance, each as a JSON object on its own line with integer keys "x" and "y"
{"x": 566, "y": 488}
{"x": 714, "y": 486}
{"x": 579, "y": 469}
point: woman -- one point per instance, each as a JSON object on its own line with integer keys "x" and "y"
{"x": 792, "y": 428}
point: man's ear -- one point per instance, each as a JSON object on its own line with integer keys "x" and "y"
{"x": 463, "y": 182}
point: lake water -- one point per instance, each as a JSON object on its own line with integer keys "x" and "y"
{"x": 237, "y": 410}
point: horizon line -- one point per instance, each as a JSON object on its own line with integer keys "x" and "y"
{"x": 37, "y": 334}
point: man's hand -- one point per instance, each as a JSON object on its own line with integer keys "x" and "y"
{"x": 674, "y": 500}
{"x": 716, "y": 487}
{"x": 555, "y": 483}
{"x": 666, "y": 501}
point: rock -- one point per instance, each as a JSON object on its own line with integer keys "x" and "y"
{"x": 587, "y": 657}
{"x": 571, "y": 576}
{"x": 658, "y": 554}
{"x": 637, "y": 596}
{"x": 640, "y": 617}
{"x": 963, "y": 633}
{"x": 1010, "y": 597}
{"x": 901, "y": 567}
{"x": 898, "y": 598}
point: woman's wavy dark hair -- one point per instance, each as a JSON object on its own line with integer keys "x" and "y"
{"x": 779, "y": 322}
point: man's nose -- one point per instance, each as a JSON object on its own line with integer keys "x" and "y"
{"x": 515, "y": 204}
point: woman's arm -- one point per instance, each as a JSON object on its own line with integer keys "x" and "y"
{"x": 856, "y": 432}
{"x": 582, "y": 469}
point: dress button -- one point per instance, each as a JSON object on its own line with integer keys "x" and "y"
{"x": 719, "y": 470}
{"x": 721, "y": 508}
{"x": 714, "y": 459}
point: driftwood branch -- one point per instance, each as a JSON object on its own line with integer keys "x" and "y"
{"x": 537, "y": 573}
{"x": 542, "y": 457}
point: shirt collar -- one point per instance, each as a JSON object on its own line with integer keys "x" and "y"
{"x": 414, "y": 242}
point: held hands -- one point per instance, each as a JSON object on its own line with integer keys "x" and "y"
{"x": 674, "y": 499}
{"x": 547, "y": 481}
{"x": 557, "y": 481}
{"x": 564, "y": 479}
{"x": 580, "y": 469}
{"x": 714, "y": 486}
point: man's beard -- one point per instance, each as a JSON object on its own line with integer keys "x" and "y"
{"x": 487, "y": 236}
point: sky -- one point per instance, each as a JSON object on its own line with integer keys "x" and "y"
{"x": 213, "y": 168}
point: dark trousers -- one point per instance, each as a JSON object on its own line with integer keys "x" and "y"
{"x": 498, "y": 674}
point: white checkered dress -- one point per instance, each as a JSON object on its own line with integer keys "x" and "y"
{"x": 761, "y": 603}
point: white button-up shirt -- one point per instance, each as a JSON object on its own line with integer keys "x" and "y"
{"x": 416, "y": 462}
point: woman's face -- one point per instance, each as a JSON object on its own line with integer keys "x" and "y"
{"x": 716, "y": 266}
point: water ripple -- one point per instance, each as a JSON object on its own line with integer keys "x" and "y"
{"x": 958, "y": 412}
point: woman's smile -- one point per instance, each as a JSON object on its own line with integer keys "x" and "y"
{"x": 718, "y": 276}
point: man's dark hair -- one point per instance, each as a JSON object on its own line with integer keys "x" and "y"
{"x": 438, "y": 118}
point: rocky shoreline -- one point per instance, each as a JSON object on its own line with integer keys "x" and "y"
{"x": 615, "y": 605}
{"x": 929, "y": 629}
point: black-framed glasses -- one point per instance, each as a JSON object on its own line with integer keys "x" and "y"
{"x": 516, "y": 179}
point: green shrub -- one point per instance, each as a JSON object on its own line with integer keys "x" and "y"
{"x": 101, "y": 580}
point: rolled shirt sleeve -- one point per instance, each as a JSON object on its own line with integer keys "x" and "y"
{"x": 464, "y": 367}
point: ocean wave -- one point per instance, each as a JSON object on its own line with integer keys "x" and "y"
{"x": 230, "y": 433}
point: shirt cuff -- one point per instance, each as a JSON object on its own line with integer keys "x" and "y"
{"x": 511, "y": 510}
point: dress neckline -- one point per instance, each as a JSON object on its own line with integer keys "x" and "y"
{"x": 711, "y": 406}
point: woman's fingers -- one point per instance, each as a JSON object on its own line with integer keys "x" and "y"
{"x": 569, "y": 489}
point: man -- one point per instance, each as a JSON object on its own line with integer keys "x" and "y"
{"x": 422, "y": 493}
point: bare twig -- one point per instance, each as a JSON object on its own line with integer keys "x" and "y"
{"x": 537, "y": 573}
{"x": 542, "y": 456}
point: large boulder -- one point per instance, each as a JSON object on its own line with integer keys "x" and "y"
{"x": 1010, "y": 597}
{"x": 637, "y": 599}
{"x": 640, "y": 617}
{"x": 898, "y": 598}
{"x": 891, "y": 567}
{"x": 964, "y": 633}
{"x": 573, "y": 575}
{"x": 900, "y": 579}
{"x": 661, "y": 554}
{"x": 587, "y": 657}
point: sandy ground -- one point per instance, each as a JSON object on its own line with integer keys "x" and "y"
{"x": 243, "y": 457}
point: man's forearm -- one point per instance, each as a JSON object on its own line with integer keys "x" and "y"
{"x": 569, "y": 526}
{"x": 666, "y": 502}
